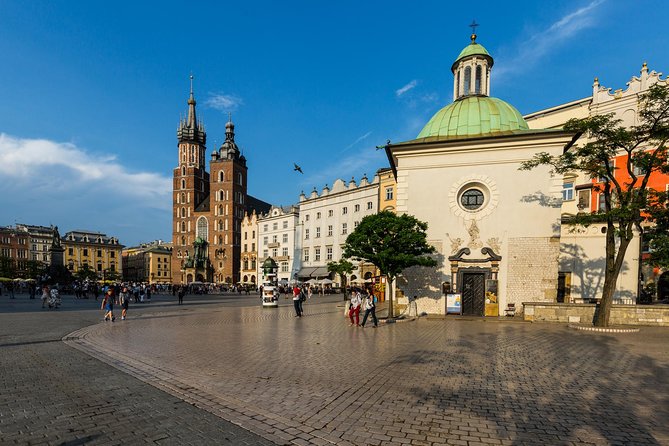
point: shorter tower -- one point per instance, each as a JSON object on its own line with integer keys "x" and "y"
{"x": 228, "y": 206}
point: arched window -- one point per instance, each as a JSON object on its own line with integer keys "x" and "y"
{"x": 183, "y": 197}
{"x": 183, "y": 212}
{"x": 239, "y": 178}
{"x": 457, "y": 86}
{"x": 183, "y": 184}
{"x": 220, "y": 225}
{"x": 220, "y": 209}
{"x": 468, "y": 80}
{"x": 183, "y": 170}
{"x": 183, "y": 226}
{"x": 477, "y": 81}
{"x": 202, "y": 228}
{"x": 221, "y": 176}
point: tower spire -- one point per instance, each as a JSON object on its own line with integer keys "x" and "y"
{"x": 190, "y": 129}
{"x": 192, "y": 118}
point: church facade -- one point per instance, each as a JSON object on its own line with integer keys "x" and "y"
{"x": 208, "y": 206}
{"x": 496, "y": 229}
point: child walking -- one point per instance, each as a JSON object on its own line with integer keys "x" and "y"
{"x": 108, "y": 305}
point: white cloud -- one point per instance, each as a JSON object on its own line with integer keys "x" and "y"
{"x": 47, "y": 166}
{"x": 223, "y": 102}
{"x": 408, "y": 87}
{"x": 538, "y": 45}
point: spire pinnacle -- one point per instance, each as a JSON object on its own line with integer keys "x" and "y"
{"x": 473, "y": 26}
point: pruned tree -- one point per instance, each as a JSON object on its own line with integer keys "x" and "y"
{"x": 392, "y": 243}
{"x": 341, "y": 268}
{"x": 625, "y": 188}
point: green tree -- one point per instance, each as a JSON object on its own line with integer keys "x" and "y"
{"x": 34, "y": 269}
{"x": 657, "y": 235}
{"x": 85, "y": 272}
{"x": 626, "y": 192}
{"x": 112, "y": 275}
{"x": 342, "y": 268}
{"x": 7, "y": 267}
{"x": 392, "y": 243}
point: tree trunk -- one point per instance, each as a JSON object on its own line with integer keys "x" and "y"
{"x": 391, "y": 313}
{"x": 614, "y": 262}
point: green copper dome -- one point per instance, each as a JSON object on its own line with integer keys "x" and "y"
{"x": 473, "y": 49}
{"x": 474, "y": 116}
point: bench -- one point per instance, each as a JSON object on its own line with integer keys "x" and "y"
{"x": 510, "y": 310}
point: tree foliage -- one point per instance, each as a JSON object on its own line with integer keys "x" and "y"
{"x": 85, "y": 273}
{"x": 341, "y": 268}
{"x": 657, "y": 235}
{"x": 7, "y": 267}
{"x": 391, "y": 242}
{"x": 625, "y": 188}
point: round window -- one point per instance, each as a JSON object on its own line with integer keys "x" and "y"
{"x": 472, "y": 199}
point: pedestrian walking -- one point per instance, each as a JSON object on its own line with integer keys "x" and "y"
{"x": 370, "y": 308}
{"x": 181, "y": 293}
{"x": 45, "y": 294}
{"x": 354, "y": 308}
{"x": 124, "y": 301}
{"x": 297, "y": 303}
{"x": 303, "y": 298}
{"x": 108, "y": 305}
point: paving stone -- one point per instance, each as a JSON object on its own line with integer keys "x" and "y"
{"x": 318, "y": 381}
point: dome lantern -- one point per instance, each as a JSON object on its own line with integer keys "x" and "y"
{"x": 473, "y": 113}
{"x": 471, "y": 71}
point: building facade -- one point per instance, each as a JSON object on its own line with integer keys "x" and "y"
{"x": 387, "y": 190}
{"x": 208, "y": 206}
{"x": 148, "y": 263}
{"x": 279, "y": 237}
{"x": 96, "y": 251}
{"x": 582, "y": 249}
{"x": 249, "y": 255}
{"x": 14, "y": 252}
{"x": 41, "y": 238}
{"x": 327, "y": 218}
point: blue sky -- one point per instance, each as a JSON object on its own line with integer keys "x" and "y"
{"x": 91, "y": 92}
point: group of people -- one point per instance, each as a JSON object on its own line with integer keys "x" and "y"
{"x": 366, "y": 302}
{"x": 111, "y": 298}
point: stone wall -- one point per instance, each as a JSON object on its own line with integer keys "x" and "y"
{"x": 532, "y": 269}
{"x": 583, "y": 313}
{"x": 429, "y": 305}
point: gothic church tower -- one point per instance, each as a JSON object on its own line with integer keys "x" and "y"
{"x": 228, "y": 207}
{"x": 207, "y": 209}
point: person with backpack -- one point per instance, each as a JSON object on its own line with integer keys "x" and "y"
{"x": 297, "y": 301}
{"x": 370, "y": 308}
{"x": 108, "y": 305}
{"x": 124, "y": 301}
{"x": 303, "y": 298}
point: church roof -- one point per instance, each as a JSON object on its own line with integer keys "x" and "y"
{"x": 474, "y": 116}
{"x": 473, "y": 49}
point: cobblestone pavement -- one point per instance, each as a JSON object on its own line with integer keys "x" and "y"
{"x": 51, "y": 393}
{"x": 315, "y": 380}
